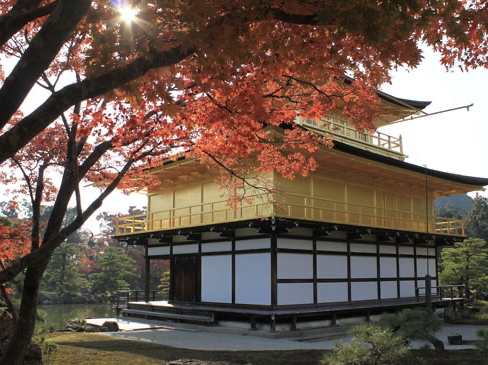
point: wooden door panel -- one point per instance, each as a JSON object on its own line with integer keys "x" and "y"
{"x": 185, "y": 279}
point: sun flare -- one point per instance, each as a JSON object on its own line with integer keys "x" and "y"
{"x": 128, "y": 14}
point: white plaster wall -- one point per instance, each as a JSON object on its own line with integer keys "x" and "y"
{"x": 358, "y": 247}
{"x": 407, "y": 268}
{"x": 253, "y": 278}
{"x": 422, "y": 267}
{"x": 331, "y": 246}
{"x": 155, "y": 251}
{"x": 426, "y": 251}
{"x": 217, "y": 279}
{"x": 363, "y": 267}
{"x": 254, "y": 244}
{"x": 331, "y": 292}
{"x": 388, "y": 267}
{"x": 185, "y": 249}
{"x": 432, "y": 268}
{"x": 388, "y": 289}
{"x": 387, "y": 249}
{"x": 295, "y": 244}
{"x": 407, "y": 288}
{"x": 405, "y": 250}
{"x": 331, "y": 267}
{"x": 422, "y": 251}
{"x": 295, "y": 293}
{"x": 217, "y": 246}
{"x": 295, "y": 266}
{"x": 364, "y": 291}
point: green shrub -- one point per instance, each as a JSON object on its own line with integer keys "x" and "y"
{"x": 416, "y": 324}
{"x": 370, "y": 345}
{"x": 482, "y": 344}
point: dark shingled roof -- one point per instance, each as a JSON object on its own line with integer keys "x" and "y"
{"x": 469, "y": 180}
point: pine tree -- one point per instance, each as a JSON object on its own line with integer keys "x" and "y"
{"x": 465, "y": 264}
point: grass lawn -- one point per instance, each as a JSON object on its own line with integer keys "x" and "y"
{"x": 96, "y": 349}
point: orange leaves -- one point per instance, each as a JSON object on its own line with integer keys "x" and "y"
{"x": 253, "y": 66}
{"x": 14, "y": 240}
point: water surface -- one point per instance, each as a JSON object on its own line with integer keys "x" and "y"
{"x": 57, "y": 315}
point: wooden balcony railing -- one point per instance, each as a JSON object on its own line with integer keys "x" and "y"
{"x": 290, "y": 206}
{"x": 344, "y": 132}
{"x": 442, "y": 291}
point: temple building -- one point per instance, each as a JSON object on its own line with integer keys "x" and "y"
{"x": 358, "y": 236}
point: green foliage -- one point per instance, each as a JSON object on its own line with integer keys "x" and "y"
{"x": 115, "y": 268}
{"x": 451, "y": 211}
{"x": 371, "y": 345}
{"x": 477, "y": 220}
{"x": 480, "y": 308}
{"x": 465, "y": 264}
{"x": 49, "y": 350}
{"x": 4, "y": 221}
{"x": 62, "y": 272}
{"x": 164, "y": 284}
{"x": 482, "y": 344}
{"x": 415, "y": 324}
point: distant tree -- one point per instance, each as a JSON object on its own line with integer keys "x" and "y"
{"x": 477, "y": 221}
{"x": 463, "y": 201}
{"x": 465, "y": 264}
{"x": 105, "y": 237}
{"x": 164, "y": 284}
{"x": 115, "y": 268}
{"x": 62, "y": 272}
{"x": 451, "y": 211}
{"x": 8, "y": 210}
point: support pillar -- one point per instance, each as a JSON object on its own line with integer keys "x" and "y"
{"x": 147, "y": 274}
{"x": 428, "y": 291}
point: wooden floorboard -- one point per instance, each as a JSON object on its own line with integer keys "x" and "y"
{"x": 290, "y": 311}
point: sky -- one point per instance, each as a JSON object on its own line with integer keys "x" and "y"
{"x": 454, "y": 141}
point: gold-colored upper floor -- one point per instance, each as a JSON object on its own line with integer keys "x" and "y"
{"x": 348, "y": 188}
{"x": 342, "y": 131}
{"x": 289, "y": 206}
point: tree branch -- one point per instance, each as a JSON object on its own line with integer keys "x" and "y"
{"x": 23, "y": 12}
{"x": 41, "y": 52}
{"x": 19, "y": 135}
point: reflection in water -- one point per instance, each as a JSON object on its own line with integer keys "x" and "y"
{"x": 57, "y": 315}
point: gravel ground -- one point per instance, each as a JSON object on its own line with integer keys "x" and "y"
{"x": 226, "y": 339}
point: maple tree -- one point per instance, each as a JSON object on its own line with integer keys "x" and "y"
{"x": 208, "y": 77}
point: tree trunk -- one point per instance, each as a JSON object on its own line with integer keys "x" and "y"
{"x": 24, "y": 328}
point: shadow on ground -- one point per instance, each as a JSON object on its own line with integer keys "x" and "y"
{"x": 166, "y": 353}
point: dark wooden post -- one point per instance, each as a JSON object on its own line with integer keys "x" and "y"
{"x": 428, "y": 289}
{"x": 274, "y": 269}
{"x": 147, "y": 274}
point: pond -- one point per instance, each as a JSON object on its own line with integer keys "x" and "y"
{"x": 57, "y": 315}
